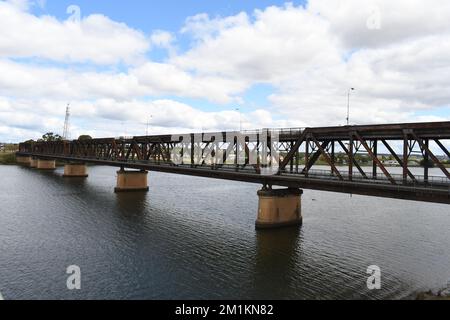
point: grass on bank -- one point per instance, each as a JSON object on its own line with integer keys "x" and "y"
{"x": 7, "y": 158}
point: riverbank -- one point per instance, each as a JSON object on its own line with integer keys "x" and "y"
{"x": 7, "y": 158}
{"x": 444, "y": 296}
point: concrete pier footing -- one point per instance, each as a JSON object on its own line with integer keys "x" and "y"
{"x": 46, "y": 164}
{"x": 131, "y": 181}
{"x": 279, "y": 208}
{"x": 23, "y": 160}
{"x": 75, "y": 170}
{"x": 33, "y": 163}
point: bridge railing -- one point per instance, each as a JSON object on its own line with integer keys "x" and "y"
{"x": 281, "y": 131}
{"x": 420, "y": 180}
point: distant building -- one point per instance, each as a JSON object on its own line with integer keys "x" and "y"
{"x": 2, "y": 147}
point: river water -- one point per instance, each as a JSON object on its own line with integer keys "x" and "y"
{"x": 194, "y": 238}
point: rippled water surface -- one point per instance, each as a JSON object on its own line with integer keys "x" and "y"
{"x": 194, "y": 238}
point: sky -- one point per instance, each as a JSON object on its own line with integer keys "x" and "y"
{"x": 171, "y": 66}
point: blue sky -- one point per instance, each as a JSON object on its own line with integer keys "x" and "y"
{"x": 148, "y": 15}
{"x": 289, "y": 65}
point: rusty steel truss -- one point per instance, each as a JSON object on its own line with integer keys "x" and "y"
{"x": 338, "y": 151}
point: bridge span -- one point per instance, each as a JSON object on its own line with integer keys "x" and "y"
{"x": 286, "y": 158}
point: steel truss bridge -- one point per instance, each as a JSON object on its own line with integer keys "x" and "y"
{"x": 245, "y": 156}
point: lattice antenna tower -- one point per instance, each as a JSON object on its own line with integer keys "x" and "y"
{"x": 66, "y": 133}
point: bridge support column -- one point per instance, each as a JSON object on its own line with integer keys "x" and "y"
{"x": 33, "y": 162}
{"x": 279, "y": 208}
{"x": 46, "y": 164}
{"x": 131, "y": 181}
{"x": 75, "y": 170}
{"x": 24, "y": 160}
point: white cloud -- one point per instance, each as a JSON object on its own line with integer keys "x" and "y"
{"x": 95, "y": 38}
{"x": 149, "y": 79}
{"x": 165, "y": 78}
{"x": 202, "y": 27}
{"x": 109, "y": 117}
{"x": 267, "y": 48}
{"x": 28, "y": 81}
{"x": 310, "y": 56}
{"x": 162, "y": 38}
{"x": 20, "y": 4}
{"x": 399, "y": 20}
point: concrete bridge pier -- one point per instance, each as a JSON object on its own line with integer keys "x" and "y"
{"x": 23, "y": 160}
{"x": 33, "y": 162}
{"x": 43, "y": 164}
{"x": 279, "y": 208}
{"x": 75, "y": 170}
{"x": 131, "y": 181}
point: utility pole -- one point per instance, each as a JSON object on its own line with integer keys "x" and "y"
{"x": 66, "y": 133}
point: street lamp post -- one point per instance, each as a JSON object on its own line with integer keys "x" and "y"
{"x": 348, "y": 105}
{"x": 240, "y": 119}
{"x": 148, "y": 124}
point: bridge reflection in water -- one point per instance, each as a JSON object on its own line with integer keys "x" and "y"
{"x": 282, "y": 158}
{"x": 277, "y": 253}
